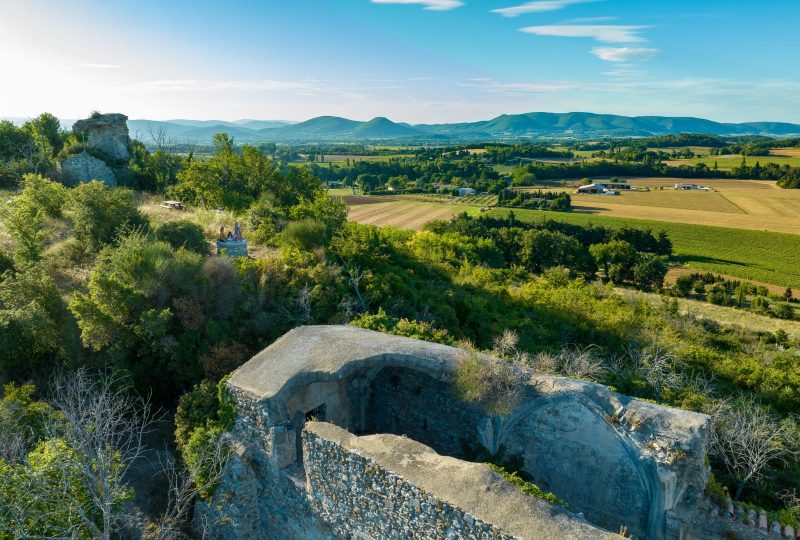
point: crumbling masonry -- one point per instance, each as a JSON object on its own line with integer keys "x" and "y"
{"x": 348, "y": 433}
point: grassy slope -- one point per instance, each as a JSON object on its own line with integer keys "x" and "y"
{"x": 722, "y": 314}
{"x": 759, "y": 255}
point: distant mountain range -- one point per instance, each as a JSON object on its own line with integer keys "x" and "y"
{"x": 577, "y": 125}
{"x": 504, "y": 127}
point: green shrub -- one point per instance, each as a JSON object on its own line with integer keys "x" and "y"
{"x": 382, "y": 322}
{"x": 195, "y": 409}
{"x": 305, "y": 234}
{"x": 201, "y": 455}
{"x": 100, "y": 213}
{"x": 183, "y": 234}
{"x": 717, "y": 295}
{"x": 783, "y": 311}
{"x": 716, "y": 491}
{"x": 760, "y": 304}
{"x": 684, "y": 284}
{"x": 528, "y": 488}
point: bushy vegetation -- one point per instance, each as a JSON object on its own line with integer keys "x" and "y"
{"x": 528, "y": 488}
{"x": 715, "y": 289}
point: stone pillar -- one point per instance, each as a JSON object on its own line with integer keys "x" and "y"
{"x": 788, "y": 532}
{"x": 729, "y": 508}
{"x": 775, "y": 529}
{"x": 739, "y": 512}
{"x": 762, "y": 520}
{"x": 752, "y": 518}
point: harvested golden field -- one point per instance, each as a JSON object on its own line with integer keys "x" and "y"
{"x": 739, "y": 204}
{"x": 786, "y": 152}
{"x": 687, "y": 200}
{"x": 405, "y": 214}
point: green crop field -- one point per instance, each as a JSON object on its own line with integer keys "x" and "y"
{"x": 730, "y": 161}
{"x": 479, "y": 200}
{"x": 769, "y": 257}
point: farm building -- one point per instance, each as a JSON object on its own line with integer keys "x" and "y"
{"x": 691, "y": 187}
{"x": 596, "y": 189}
{"x": 615, "y": 185}
{"x": 464, "y": 191}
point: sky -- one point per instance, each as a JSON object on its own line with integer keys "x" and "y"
{"x": 417, "y": 61}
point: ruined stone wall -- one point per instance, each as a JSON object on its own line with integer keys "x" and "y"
{"x": 406, "y": 402}
{"x": 388, "y": 487}
{"x": 362, "y": 500}
{"x": 260, "y": 496}
{"x": 618, "y": 460}
{"x": 85, "y": 168}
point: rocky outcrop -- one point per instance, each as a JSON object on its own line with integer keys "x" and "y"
{"x": 84, "y": 168}
{"x": 107, "y": 133}
{"x": 618, "y": 461}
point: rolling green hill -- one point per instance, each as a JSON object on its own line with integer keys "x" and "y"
{"x": 503, "y": 127}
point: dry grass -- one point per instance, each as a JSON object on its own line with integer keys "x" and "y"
{"x": 727, "y": 316}
{"x": 209, "y": 220}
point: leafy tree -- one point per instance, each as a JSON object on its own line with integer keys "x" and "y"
{"x": 32, "y": 323}
{"x": 22, "y": 421}
{"x": 541, "y": 249}
{"x": 332, "y": 212}
{"x": 264, "y": 219}
{"x": 25, "y": 216}
{"x": 101, "y": 213}
{"x": 368, "y": 182}
{"x": 47, "y": 126}
{"x": 617, "y": 259}
{"x": 72, "y": 485}
{"x": 649, "y": 271}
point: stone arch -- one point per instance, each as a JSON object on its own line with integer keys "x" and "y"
{"x": 570, "y": 448}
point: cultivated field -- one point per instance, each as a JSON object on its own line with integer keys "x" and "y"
{"x": 405, "y": 214}
{"x": 479, "y": 200}
{"x": 741, "y": 204}
{"x": 338, "y": 159}
{"x": 781, "y": 156}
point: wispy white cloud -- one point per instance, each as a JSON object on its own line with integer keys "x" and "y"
{"x": 624, "y": 54}
{"x": 433, "y": 5}
{"x": 624, "y": 72}
{"x": 606, "y": 33}
{"x": 195, "y": 84}
{"x": 540, "y": 6}
{"x": 504, "y": 87}
{"x": 91, "y": 65}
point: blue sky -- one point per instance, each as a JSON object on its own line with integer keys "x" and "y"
{"x": 410, "y": 60}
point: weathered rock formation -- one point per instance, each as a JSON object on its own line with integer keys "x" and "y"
{"x": 84, "y": 167}
{"x": 107, "y": 133}
{"x": 618, "y": 461}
